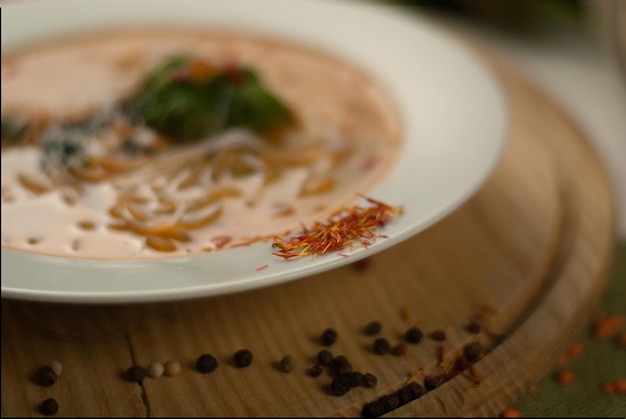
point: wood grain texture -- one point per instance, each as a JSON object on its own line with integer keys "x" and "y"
{"x": 528, "y": 254}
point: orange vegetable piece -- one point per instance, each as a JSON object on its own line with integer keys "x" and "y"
{"x": 564, "y": 376}
{"x": 511, "y": 412}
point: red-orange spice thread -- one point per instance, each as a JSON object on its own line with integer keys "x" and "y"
{"x": 346, "y": 228}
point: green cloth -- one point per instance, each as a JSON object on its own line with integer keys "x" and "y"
{"x": 601, "y": 360}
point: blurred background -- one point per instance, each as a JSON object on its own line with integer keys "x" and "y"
{"x": 574, "y": 50}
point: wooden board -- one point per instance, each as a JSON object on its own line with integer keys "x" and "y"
{"x": 527, "y": 255}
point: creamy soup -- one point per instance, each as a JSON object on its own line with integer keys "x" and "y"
{"x": 134, "y": 193}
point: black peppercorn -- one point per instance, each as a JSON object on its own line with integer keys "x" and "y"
{"x": 369, "y": 380}
{"x": 206, "y": 363}
{"x": 472, "y": 351}
{"x": 242, "y": 358}
{"x": 340, "y": 365}
{"x": 381, "y": 346}
{"x": 136, "y": 373}
{"x": 49, "y": 407}
{"x": 409, "y": 392}
{"x": 372, "y": 328}
{"x": 324, "y": 357}
{"x": 315, "y": 370}
{"x": 46, "y": 376}
{"x": 329, "y": 336}
{"x": 355, "y": 378}
{"x": 340, "y": 385}
{"x": 390, "y": 402}
{"x": 373, "y": 409}
{"x": 413, "y": 334}
{"x": 431, "y": 381}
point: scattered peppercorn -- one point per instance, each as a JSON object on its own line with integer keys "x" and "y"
{"x": 409, "y": 393}
{"x": 438, "y": 335}
{"x": 206, "y": 363}
{"x": 431, "y": 382}
{"x": 373, "y": 409}
{"x": 356, "y": 378}
{"x": 172, "y": 368}
{"x": 324, "y": 357}
{"x": 381, "y": 346}
{"x": 413, "y": 334}
{"x": 329, "y": 336}
{"x": 372, "y": 328}
{"x": 243, "y": 358}
{"x": 315, "y": 370}
{"x": 56, "y": 366}
{"x": 49, "y": 407}
{"x": 136, "y": 373}
{"x": 369, "y": 380}
{"x": 473, "y": 327}
{"x": 46, "y": 376}
{"x": 155, "y": 369}
{"x": 398, "y": 349}
{"x": 340, "y": 365}
{"x": 472, "y": 351}
{"x": 389, "y": 402}
{"x": 287, "y": 363}
{"x": 340, "y": 385}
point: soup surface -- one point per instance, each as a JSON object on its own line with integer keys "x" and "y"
{"x": 135, "y": 194}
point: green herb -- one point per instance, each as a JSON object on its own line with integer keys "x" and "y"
{"x": 185, "y": 108}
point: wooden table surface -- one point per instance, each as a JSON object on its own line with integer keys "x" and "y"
{"x": 527, "y": 256}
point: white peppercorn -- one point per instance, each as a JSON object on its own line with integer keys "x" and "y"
{"x": 172, "y": 368}
{"x": 155, "y": 369}
{"x": 56, "y": 366}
